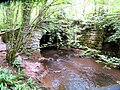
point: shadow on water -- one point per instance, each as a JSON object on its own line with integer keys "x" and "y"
{"x": 74, "y": 73}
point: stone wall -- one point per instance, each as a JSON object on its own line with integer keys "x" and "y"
{"x": 35, "y": 41}
{"x": 95, "y": 38}
{"x": 90, "y": 36}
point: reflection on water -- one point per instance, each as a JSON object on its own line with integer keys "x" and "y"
{"x": 74, "y": 73}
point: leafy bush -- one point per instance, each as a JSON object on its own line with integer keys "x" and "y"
{"x": 101, "y": 58}
{"x": 108, "y": 23}
{"x": 110, "y": 61}
{"x": 10, "y": 80}
{"x": 16, "y": 64}
{"x": 114, "y": 21}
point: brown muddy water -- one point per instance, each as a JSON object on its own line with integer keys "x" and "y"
{"x": 74, "y": 73}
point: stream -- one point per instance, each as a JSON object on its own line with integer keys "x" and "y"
{"x": 68, "y": 72}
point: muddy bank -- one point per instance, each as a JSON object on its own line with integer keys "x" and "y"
{"x": 31, "y": 67}
{"x": 74, "y": 73}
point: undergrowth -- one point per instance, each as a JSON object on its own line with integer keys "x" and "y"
{"x": 109, "y": 61}
{"x": 12, "y": 80}
{"x": 16, "y": 80}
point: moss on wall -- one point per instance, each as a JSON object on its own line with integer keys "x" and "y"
{"x": 91, "y": 37}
